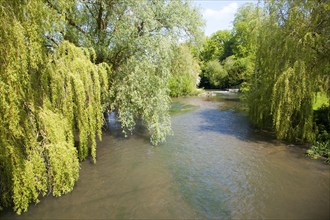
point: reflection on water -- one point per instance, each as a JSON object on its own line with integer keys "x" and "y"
{"x": 214, "y": 166}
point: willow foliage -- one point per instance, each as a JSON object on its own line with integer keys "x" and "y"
{"x": 136, "y": 38}
{"x": 291, "y": 67}
{"x": 185, "y": 72}
{"x": 47, "y": 95}
{"x": 143, "y": 79}
{"x": 53, "y": 89}
{"x": 75, "y": 85}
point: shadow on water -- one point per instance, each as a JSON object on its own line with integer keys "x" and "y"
{"x": 214, "y": 166}
{"x": 225, "y": 114}
{"x": 234, "y": 123}
{"x": 226, "y": 169}
{"x": 225, "y": 122}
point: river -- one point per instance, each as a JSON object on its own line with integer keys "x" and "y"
{"x": 214, "y": 166}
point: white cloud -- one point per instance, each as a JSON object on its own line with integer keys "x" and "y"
{"x": 228, "y": 10}
{"x": 219, "y": 19}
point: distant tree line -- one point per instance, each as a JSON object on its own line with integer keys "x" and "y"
{"x": 228, "y": 57}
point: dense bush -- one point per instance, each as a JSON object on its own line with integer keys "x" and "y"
{"x": 321, "y": 148}
{"x": 184, "y": 72}
{"x": 214, "y": 75}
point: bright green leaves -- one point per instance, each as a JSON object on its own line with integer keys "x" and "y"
{"x": 29, "y": 177}
{"x": 144, "y": 95}
{"x": 291, "y": 106}
{"x": 75, "y": 84}
{"x": 290, "y": 68}
{"x": 136, "y": 38}
{"x": 215, "y": 73}
{"x": 280, "y": 61}
{"x": 53, "y": 93}
{"x": 216, "y": 47}
{"x": 48, "y": 95}
{"x": 246, "y": 29}
{"x": 234, "y": 51}
{"x": 184, "y": 72}
{"x": 72, "y": 102}
{"x": 59, "y": 152}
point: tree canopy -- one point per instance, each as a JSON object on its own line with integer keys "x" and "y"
{"x": 279, "y": 59}
{"x": 44, "y": 94}
{"x": 185, "y": 72}
{"x": 136, "y": 38}
{"x": 63, "y": 63}
{"x": 217, "y": 47}
{"x": 233, "y": 50}
{"x": 291, "y": 67}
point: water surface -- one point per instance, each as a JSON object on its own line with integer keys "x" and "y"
{"x": 214, "y": 166}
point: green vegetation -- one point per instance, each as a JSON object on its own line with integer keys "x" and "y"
{"x": 43, "y": 96}
{"x": 278, "y": 56}
{"x": 139, "y": 40}
{"x": 321, "y": 119}
{"x": 228, "y": 58}
{"x": 320, "y": 100}
{"x": 215, "y": 75}
{"x": 63, "y": 63}
{"x": 291, "y": 67}
{"x": 321, "y": 147}
{"x": 291, "y": 70}
{"x": 184, "y": 72}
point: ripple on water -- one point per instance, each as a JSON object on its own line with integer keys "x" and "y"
{"x": 214, "y": 166}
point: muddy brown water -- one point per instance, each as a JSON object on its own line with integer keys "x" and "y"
{"x": 214, "y": 166}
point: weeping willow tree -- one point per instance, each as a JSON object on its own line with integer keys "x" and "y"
{"x": 136, "y": 38}
{"x": 53, "y": 90}
{"x": 50, "y": 96}
{"x": 292, "y": 65}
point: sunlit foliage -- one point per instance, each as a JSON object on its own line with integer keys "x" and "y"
{"x": 63, "y": 63}
{"x": 217, "y": 47}
{"x": 136, "y": 38}
{"x": 235, "y": 51}
{"x": 215, "y": 75}
{"x": 49, "y": 96}
{"x": 185, "y": 72}
{"x": 292, "y": 65}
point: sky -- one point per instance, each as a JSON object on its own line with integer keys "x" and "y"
{"x": 219, "y": 14}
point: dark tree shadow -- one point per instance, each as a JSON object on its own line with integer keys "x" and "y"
{"x": 231, "y": 122}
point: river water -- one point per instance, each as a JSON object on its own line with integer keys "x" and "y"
{"x": 214, "y": 166}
